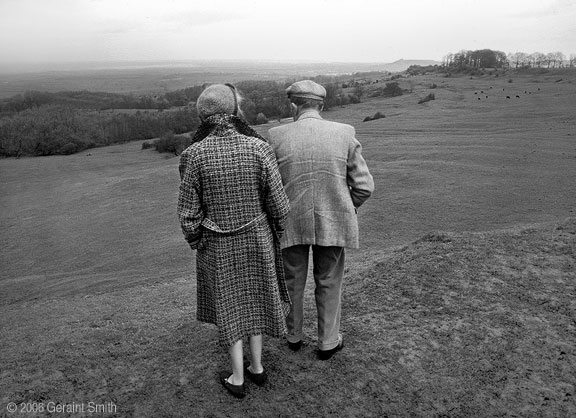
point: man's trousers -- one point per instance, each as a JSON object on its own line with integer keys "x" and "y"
{"x": 328, "y": 271}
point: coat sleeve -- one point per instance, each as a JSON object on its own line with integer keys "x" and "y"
{"x": 183, "y": 163}
{"x": 359, "y": 179}
{"x": 276, "y": 201}
{"x": 190, "y": 212}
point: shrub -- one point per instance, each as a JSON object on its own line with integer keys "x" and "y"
{"x": 353, "y": 99}
{"x": 377, "y": 115}
{"x": 419, "y": 69}
{"x": 392, "y": 90}
{"x": 427, "y": 98}
{"x": 261, "y": 119}
{"x": 69, "y": 148}
{"x": 173, "y": 144}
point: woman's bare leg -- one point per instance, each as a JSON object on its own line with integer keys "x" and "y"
{"x": 237, "y": 357}
{"x": 256, "y": 354}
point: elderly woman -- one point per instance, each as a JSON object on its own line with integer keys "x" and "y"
{"x": 232, "y": 208}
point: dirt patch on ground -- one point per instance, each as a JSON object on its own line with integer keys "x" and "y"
{"x": 473, "y": 324}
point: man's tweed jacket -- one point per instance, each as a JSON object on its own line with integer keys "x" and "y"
{"x": 231, "y": 193}
{"x": 325, "y": 177}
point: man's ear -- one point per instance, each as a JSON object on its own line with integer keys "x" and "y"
{"x": 293, "y": 108}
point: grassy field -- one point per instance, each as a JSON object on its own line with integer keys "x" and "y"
{"x": 461, "y": 301}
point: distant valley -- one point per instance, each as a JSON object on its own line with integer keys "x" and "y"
{"x": 143, "y": 77}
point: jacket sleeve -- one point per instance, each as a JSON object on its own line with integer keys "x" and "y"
{"x": 183, "y": 163}
{"x": 189, "y": 209}
{"x": 358, "y": 177}
{"x": 276, "y": 202}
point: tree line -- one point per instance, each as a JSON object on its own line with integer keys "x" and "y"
{"x": 57, "y": 129}
{"x": 487, "y": 58}
{"x": 43, "y": 123}
{"x": 540, "y": 60}
{"x": 88, "y": 100}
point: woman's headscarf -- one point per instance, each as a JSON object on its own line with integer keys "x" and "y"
{"x": 217, "y": 104}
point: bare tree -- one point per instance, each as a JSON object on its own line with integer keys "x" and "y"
{"x": 550, "y": 59}
{"x": 501, "y": 59}
{"x": 518, "y": 59}
{"x": 558, "y": 59}
{"x": 537, "y": 59}
{"x": 447, "y": 60}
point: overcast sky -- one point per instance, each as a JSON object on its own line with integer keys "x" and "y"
{"x": 296, "y": 30}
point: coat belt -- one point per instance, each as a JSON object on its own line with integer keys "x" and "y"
{"x": 212, "y": 226}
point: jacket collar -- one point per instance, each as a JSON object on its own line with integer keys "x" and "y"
{"x": 309, "y": 114}
{"x": 219, "y": 124}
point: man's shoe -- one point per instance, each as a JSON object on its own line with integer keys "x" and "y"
{"x": 258, "y": 378}
{"x": 295, "y": 346}
{"x": 235, "y": 390}
{"x": 327, "y": 354}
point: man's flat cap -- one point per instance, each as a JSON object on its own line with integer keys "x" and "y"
{"x": 307, "y": 89}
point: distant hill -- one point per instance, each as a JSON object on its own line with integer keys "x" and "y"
{"x": 402, "y": 64}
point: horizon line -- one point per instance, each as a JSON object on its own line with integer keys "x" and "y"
{"x": 103, "y": 64}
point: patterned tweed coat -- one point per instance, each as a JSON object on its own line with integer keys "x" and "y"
{"x": 232, "y": 208}
{"x": 325, "y": 177}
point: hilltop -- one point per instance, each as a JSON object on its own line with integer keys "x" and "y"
{"x": 460, "y": 301}
{"x": 403, "y": 65}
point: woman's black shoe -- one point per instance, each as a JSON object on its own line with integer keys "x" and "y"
{"x": 235, "y": 390}
{"x": 295, "y": 346}
{"x": 258, "y": 378}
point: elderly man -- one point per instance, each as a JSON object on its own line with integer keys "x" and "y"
{"x": 326, "y": 180}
